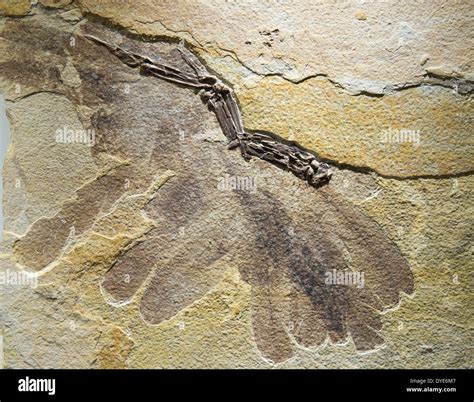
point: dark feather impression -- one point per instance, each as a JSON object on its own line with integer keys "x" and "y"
{"x": 319, "y": 268}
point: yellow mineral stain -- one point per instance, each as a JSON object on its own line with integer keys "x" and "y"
{"x": 115, "y": 348}
{"x": 361, "y": 15}
{"x": 352, "y": 129}
{"x": 15, "y": 8}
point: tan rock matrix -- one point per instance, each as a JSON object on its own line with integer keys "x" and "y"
{"x": 167, "y": 184}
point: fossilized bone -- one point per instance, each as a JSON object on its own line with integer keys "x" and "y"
{"x": 220, "y": 99}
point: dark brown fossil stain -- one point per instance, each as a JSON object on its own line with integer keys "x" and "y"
{"x": 47, "y": 237}
{"x": 126, "y": 276}
{"x": 32, "y": 34}
{"x": 282, "y": 241}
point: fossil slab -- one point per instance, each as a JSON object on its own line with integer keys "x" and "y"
{"x": 286, "y": 269}
{"x": 164, "y": 244}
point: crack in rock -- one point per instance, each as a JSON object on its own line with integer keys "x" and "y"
{"x": 288, "y": 155}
